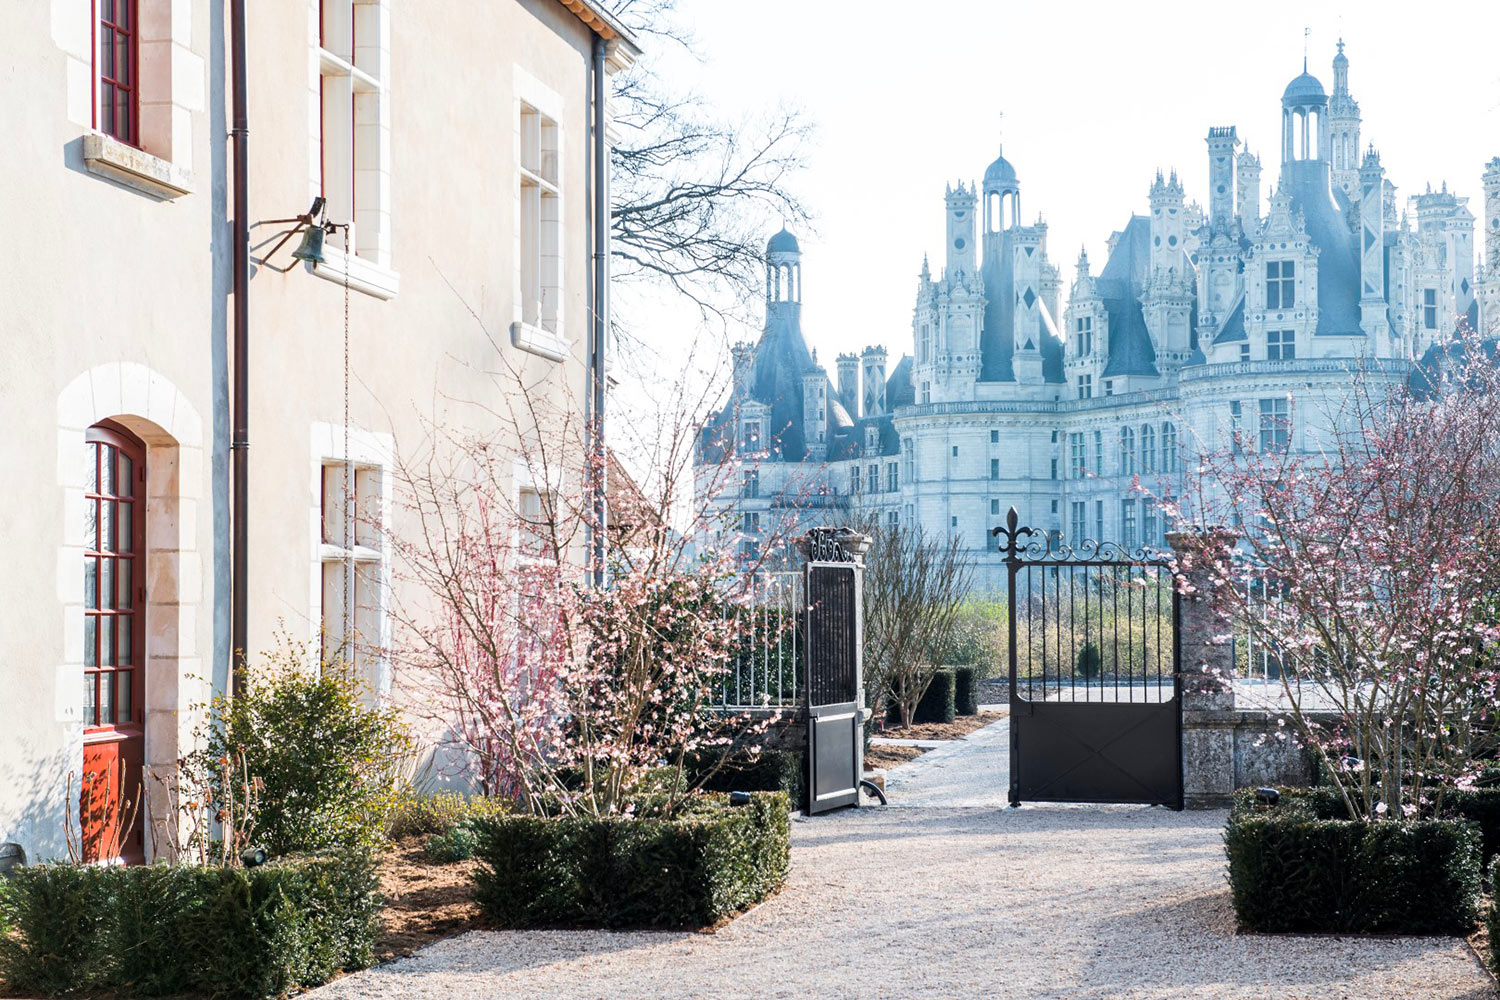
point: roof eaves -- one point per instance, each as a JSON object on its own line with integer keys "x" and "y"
{"x": 604, "y": 24}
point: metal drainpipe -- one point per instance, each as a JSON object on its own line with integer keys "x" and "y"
{"x": 239, "y": 445}
{"x": 600, "y": 312}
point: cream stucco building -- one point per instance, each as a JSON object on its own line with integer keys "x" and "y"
{"x": 457, "y": 139}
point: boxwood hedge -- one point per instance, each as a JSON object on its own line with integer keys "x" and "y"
{"x": 158, "y": 930}
{"x": 767, "y": 771}
{"x": 1479, "y": 806}
{"x": 689, "y": 871}
{"x": 966, "y": 690}
{"x": 937, "y": 704}
{"x": 1492, "y": 916}
{"x": 1292, "y": 870}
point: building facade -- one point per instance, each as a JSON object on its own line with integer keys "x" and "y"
{"x": 1238, "y": 322}
{"x": 461, "y": 259}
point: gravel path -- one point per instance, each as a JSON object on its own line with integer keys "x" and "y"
{"x": 1041, "y": 901}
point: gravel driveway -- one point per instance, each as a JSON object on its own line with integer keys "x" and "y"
{"x": 956, "y": 902}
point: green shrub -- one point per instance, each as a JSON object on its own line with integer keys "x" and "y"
{"x": 416, "y": 815}
{"x": 5, "y": 896}
{"x": 965, "y": 691}
{"x": 693, "y": 870}
{"x": 1089, "y": 661}
{"x": 767, "y": 771}
{"x": 938, "y": 703}
{"x": 1492, "y": 916}
{"x": 977, "y": 639}
{"x": 1480, "y": 806}
{"x": 452, "y": 846}
{"x": 1292, "y": 871}
{"x": 329, "y": 764}
{"x": 160, "y": 930}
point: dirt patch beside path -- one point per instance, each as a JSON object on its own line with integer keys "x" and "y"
{"x": 881, "y": 756}
{"x": 424, "y": 902}
{"x": 960, "y": 727}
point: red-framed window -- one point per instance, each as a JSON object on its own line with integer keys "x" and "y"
{"x": 114, "y": 582}
{"x": 117, "y": 68}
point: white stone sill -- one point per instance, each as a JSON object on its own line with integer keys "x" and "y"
{"x": 535, "y": 340}
{"x": 364, "y": 276}
{"x": 134, "y": 168}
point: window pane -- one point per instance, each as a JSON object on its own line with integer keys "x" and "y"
{"x": 90, "y": 640}
{"x": 124, "y": 711}
{"x": 333, "y": 504}
{"x": 91, "y": 472}
{"x": 367, "y": 506}
{"x": 124, "y": 657}
{"x": 122, "y": 58}
{"x": 333, "y": 610}
{"x": 107, "y": 698}
{"x": 126, "y": 477}
{"x": 125, "y": 597}
{"x": 106, "y": 641}
{"x": 106, "y": 584}
{"x": 107, "y": 10}
{"x": 125, "y": 529}
{"x": 91, "y": 581}
{"x": 90, "y": 699}
{"x": 107, "y": 466}
{"x": 91, "y": 525}
{"x": 122, "y": 114}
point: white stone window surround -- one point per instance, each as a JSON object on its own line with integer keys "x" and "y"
{"x": 171, "y": 89}
{"x": 367, "y": 450}
{"x": 353, "y": 73}
{"x": 546, "y": 338}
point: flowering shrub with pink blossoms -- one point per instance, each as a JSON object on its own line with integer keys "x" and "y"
{"x": 568, "y": 697}
{"x": 1376, "y": 555}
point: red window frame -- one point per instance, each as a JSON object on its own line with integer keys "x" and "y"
{"x": 114, "y": 583}
{"x": 117, "y": 99}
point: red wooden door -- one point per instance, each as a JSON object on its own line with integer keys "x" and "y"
{"x": 111, "y": 800}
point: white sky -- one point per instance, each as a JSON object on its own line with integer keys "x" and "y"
{"x": 1096, "y": 97}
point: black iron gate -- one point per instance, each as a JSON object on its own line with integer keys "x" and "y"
{"x": 834, "y": 684}
{"x": 1095, "y": 695}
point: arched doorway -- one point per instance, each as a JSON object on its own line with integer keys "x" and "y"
{"x": 111, "y": 796}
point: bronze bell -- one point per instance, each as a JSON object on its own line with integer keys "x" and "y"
{"x": 311, "y": 247}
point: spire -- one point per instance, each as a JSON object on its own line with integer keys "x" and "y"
{"x": 1341, "y": 72}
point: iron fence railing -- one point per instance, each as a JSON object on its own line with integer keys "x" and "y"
{"x": 764, "y": 670}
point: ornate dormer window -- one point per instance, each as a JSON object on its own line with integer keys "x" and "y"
{"x": 750, "y": 435}
{"x": 872, "y": 440}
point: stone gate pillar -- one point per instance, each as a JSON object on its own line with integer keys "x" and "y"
{"x": 1209, "y": 718}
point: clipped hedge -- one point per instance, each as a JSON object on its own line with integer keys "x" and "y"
{"x": 767, "y": 771}
{"x": 161, "y": 930}
{"x": 966, "y": 690}
{"x": 1492, "y": 916}
{"x": 1479, "y": 806}
{"x": 1292, "y": 871}
{"x": 689, "y": 871}
{"x": 939, "y": 703}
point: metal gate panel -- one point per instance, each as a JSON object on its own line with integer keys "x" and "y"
{"x": 1095, "y": 706}
{"x": 834, "y": 683}
{"x": 1083, "y": 752}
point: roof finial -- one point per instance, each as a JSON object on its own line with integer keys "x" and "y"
{"x": 1000, "y": 131}
{"x": 1306, "y": 34}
